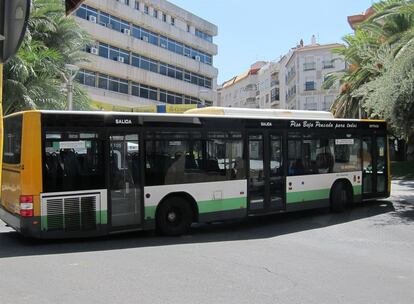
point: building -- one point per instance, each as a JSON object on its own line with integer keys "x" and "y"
{"x": 305, "y": 70}
{"x": 268, "y": 87}
{"x": 241, "y": 91}
{"x": 147, "y": 53}
{"x": 357, "y": 19}
{"x": 293, "y": 82}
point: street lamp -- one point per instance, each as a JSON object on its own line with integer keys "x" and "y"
{"x": 203, "y": 92}
{"x": 72, "y": 72}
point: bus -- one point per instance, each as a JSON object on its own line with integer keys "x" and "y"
{"x": 81, "y": 174}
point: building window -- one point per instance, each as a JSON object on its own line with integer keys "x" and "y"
{"x": 136, "y": 6}
{"x": 328, "y": 64}
{"x": 204, "y": 35}
{"x": 310, "y": 86}
{"x": 188, "y": 28}
{"x": 275, "y": 94}
{"x": 146, "y": 9}
{"x": 107, "y": 82}
{"x": 327, "y": 102}
{"x": 172, "y": 21}
{"x": 86, "y": 78}
{"x": 126, "y": 2}
{"x": 309, "y": 64}
{"x": 124, "y": 26}
{"x": 155, "y": 13}
{"x": 310, "y": 104}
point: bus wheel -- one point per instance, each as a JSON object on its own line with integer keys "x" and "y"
{"x": 340, "y": 197}
{"x": 174, "y": 217}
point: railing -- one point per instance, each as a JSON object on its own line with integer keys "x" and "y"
{"x": 308, "y": 66}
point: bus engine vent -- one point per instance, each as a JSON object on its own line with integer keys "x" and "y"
{"x": 70, "y": 213}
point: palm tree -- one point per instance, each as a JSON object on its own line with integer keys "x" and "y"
{"x": 33, "y": 78}
{"x": 384, "y": 34}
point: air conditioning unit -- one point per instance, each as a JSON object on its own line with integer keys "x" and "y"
{"x": 126, "y": 31}
{"x": 145, "y": 38}
{"x": 121, "y": 59}
{"x": 92, "y": 18}
{"x": 198, "y": 58}
{"x": 94, "y": 51}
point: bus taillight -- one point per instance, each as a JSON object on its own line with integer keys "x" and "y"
{"x": 26, "y": 205}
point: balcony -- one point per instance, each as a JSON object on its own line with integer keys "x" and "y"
{"x": 309, "y": 66}
{"x": 328, "y": 64}
{"x": 250, "y": 101}
{"x": 274, "y": 83}
{"x": 290, "y": 75}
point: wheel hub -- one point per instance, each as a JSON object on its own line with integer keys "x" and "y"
{"x": 172, "y": 216}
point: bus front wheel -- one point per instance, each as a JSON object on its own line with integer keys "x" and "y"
{"x": 174, "y": 217}
{"x": 340, "y": 197}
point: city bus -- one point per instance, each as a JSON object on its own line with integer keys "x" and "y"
{"x": 82, "y": 174}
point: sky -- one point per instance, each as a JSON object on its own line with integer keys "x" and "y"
{"x": 250, "y": 31}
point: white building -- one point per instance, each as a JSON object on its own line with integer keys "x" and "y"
{"x": 295, "y": 82}
{"x": 305, "y": 71}
{"x": 147, "y": 53}
{"x": 241, "y": 91}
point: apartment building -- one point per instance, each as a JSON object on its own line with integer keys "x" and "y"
{"x": 241, "y": 90}
{"x": 305, "y": 70}
{"x": 147, "y": 53}
{"x": 293, "y": 82}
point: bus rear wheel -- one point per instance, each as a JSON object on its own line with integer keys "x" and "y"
{"x": 174, "y": 217}
{"x": 340, "y": 197}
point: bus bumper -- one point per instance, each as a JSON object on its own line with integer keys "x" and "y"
{"x": 25, "y": 226}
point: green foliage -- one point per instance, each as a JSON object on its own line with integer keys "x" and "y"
{"x": 380, "y": 78}
{"x": 33, "y": 79}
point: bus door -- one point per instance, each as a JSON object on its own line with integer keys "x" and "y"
{"x": 266, "y": 178}
{"x": 125, "y": 179}
{"x": 375, "y": 171}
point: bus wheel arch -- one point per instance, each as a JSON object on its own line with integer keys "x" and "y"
{"x": 341, "y": 195}
{"x": 180, "y": 205}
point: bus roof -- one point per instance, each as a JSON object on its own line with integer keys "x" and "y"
{"x": 215, "y": 112}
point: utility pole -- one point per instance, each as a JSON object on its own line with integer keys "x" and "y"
{"x": 72, "y": 71}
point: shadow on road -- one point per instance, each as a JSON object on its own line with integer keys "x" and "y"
{"x": 13, "y": 245}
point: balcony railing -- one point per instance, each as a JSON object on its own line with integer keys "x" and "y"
{"x": 309, "y": 66}
{"x": 328, "y": 64}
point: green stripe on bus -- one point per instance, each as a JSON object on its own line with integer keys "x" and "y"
{"x": 314, "y": 195}
{"x": 222, "y": 205}
{"x": 357, "y": 190}
{"x": 150, "y": 212}
{"x": 208, "y": 206}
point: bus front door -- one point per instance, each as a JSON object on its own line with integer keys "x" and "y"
{"x": 375, "y": 171}
{"x": 124, "y": 180}
{"x": 266, "y": 178}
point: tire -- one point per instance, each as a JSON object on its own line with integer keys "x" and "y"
{"x": 340, "y": 197}
{"x": 174, "y": 217}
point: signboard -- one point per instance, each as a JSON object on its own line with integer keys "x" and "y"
{"x": 14, "y": 16}
{"x": 345, "y": 141}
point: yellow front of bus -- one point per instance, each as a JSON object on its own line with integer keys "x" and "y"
{"x": 22, "y": 173}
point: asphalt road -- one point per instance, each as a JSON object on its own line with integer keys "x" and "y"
{"x": 365, "y": 255}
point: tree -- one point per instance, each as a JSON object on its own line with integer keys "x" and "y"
{"x": 382, "y": 37}
{"x": 33, "y": 78}
{"x": 391, "y": 95}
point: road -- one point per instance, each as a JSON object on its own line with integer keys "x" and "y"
{"x": 364, "y": 255}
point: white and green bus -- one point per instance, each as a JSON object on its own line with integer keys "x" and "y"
{"x": 75, "y": 174}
